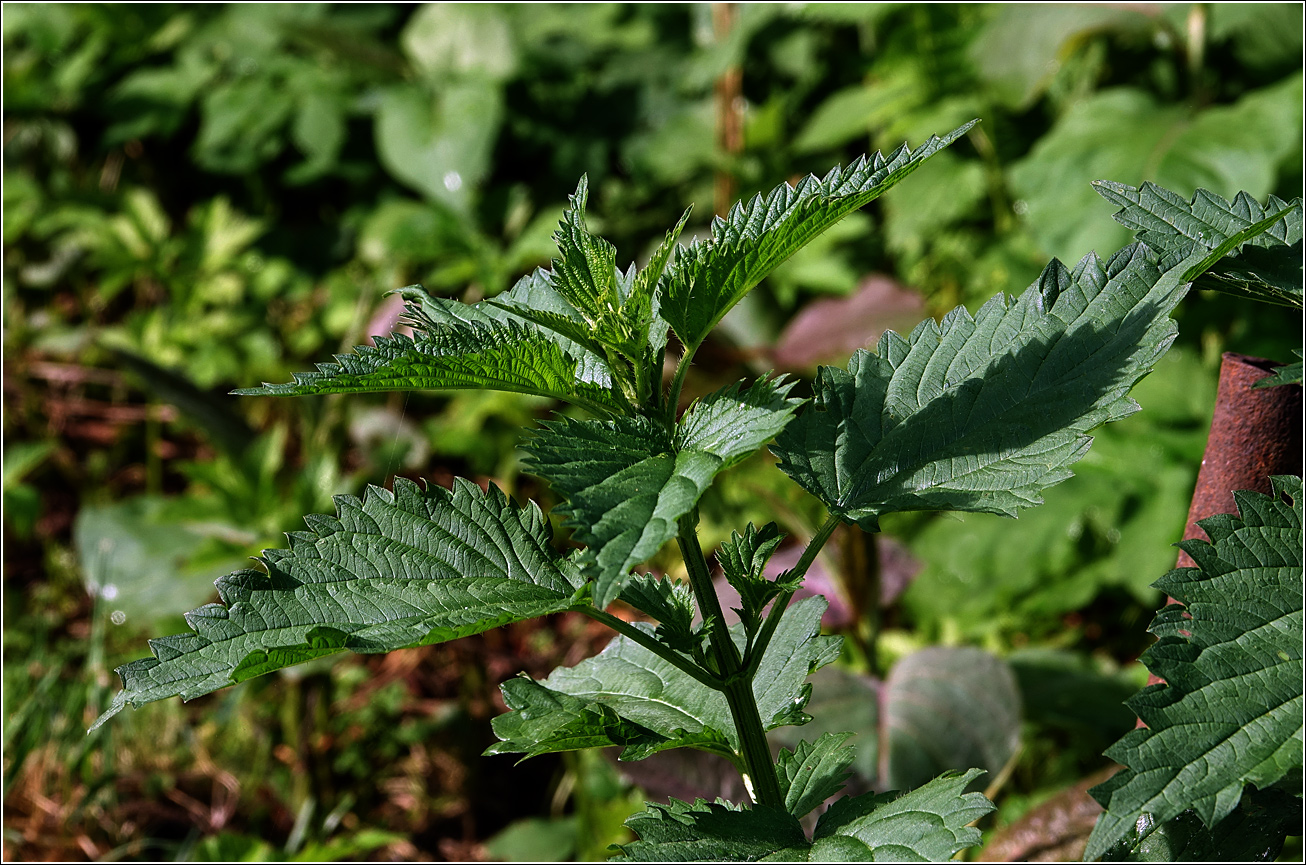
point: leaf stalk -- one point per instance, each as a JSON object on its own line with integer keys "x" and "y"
{"x": 648, "y": 641}
{"x": 781, "y": 603}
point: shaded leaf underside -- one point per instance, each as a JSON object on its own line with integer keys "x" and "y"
{"x": 982, "y": 413}
{"x": 629, "y": 697}
{"x": 1230, "y": 713}
{"x": 392, "y": 570}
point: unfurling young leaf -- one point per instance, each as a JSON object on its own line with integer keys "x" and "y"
{"x": 1230, "y": 711}
{"x": 672, "y": 604}
{"x": 743, "y": 561}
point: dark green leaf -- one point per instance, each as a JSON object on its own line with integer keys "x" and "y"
{"x": 743, "y": 562}
{"x": 1230, "y": 712}
{"x": 652, "y": 705}
{"x": 460, "y": 345}
{"x": 542, "y": 720}
{"x": 1254, "y": 832}
{"x": 627, "y": 483}
{"x": 732, "y": 423}
{"x": 1267, "y": 267}
{"x": 712, "y": 832}
{"x": 928, "y": 824}
{"x": 707, "y": 278}
{"x": 672, "y": 604}
{"x": 392, "y": 570}
{"x": 925, "y": 825}
{"x": 813, "y": 771}
{"x": 982, "y": 413}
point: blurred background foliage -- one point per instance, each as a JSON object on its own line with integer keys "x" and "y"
{"x": 203, "y": 197}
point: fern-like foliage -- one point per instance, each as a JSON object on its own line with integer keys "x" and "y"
{"x": 929, "y": 824}
{"x": 628, "y": 481}
{"x": 391, "y": 570}
{"x": 1267, "y": 267}
{"x": 709, "y": 277}
{"x": 982, "y": 413}
{"x": 1230, "y": 713}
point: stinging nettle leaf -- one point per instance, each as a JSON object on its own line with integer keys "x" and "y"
{"x": 672, "y": 604}
{"x": 1266, "y": 267}
{"x": 627, "y": 481}
{"x": 1230, "y": 711}
{"x": 982, "y": 413}
{"x": 1254, "y": 832}
{"x": 814, "y": 771}
{"x": 667, "y": 707}
{"x": 1290, "y": 373}
{"x": 707, "y": 278}
{"x": 390, "y": 571}
{"x": 713, "y": 832}
{"x": 586, "y": 274}
{"x": 926, "y": 825}
{"x": 605, "y": 310}
{"x": 743, "y": 561}
{"x": 465, "y": 346}
{"x": 929, "y": 824}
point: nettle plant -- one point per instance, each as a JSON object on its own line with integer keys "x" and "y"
{"x": 973, "y": 413}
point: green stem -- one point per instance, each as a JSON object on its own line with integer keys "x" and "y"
{"x": 781, "y": 603}
{"x": 677, "y": 382}
{"x": 764, "y": 785}
{"x": 649, "y": 642}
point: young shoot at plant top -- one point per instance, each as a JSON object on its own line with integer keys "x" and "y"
{"x": 972, "y": 413}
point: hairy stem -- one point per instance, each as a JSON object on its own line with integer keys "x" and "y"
{"x": 738, "y": 690}
{"x": 677, "y": 382}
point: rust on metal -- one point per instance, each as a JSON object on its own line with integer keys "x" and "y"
{"x": 1255, "y": 433}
